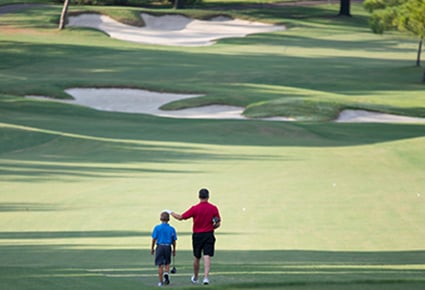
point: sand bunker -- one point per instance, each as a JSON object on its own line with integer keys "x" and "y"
{"x": 144, "y": 102}
{"x": 355, "y": 116}
{"x": 173, "y": 30}
{"x": 148, "y": 102}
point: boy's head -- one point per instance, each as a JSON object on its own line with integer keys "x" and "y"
{"x": 164, "y": 217}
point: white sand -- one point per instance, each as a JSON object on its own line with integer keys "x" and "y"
{"x": 173, "y": 30}
{"x": 181, "y": 31}
{"x": 148, "y": 102}
{"x": 144, "y": 102}
{"x": 355, "y": 116}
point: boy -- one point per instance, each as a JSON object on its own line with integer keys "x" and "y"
{"x": 164, "y": 237}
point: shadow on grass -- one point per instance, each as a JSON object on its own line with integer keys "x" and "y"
{"x": 35, "y": 170}
{"x": 35, "y": 124}
{"x": 71, "y": 234}
{"x": 27, "y": 206}
{"x": 298, "y": 41}
{"x": 76, "y": 267}
{"x": 119, "y": 148}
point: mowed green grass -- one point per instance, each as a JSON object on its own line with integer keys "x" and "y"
{"x": 305, "y": 205}
{"x": 302, "y": 209}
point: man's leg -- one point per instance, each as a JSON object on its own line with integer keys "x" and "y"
{"x": 208, "y": 253}
{"x": 196, "y": 265}
{"x": 196, "y": 246}
{"x": 207, "y": 265}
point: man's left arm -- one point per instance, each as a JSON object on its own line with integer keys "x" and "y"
{"x": 217, "y": 222}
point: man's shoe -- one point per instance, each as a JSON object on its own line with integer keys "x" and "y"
{"x": 166, "y": 279}
{"x": 194, "y": 281}
{"x": 206, "y": 281}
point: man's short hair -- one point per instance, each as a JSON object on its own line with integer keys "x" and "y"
{"x": 204, "y": 193}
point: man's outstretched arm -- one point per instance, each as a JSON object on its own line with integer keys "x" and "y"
{"x": 177, "y": 216}
{"x": 174, "y": 214}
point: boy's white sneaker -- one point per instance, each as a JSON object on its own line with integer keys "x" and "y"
{"x": 206, "y": 281}
{"x": 160, "y": 284}
{"x": 194, "y": 281}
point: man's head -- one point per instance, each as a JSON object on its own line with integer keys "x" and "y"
{"x": 165, "y": 217}
{"x": 204, "y": 193}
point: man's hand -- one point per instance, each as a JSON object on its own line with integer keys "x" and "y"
{"x": 176, "y": 216}
{"x": 216, "y": 222}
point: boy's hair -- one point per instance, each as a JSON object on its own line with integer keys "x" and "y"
{"x": 165, "y": 217}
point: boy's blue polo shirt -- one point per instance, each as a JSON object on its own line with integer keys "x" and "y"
{"x": 164, "y": 234}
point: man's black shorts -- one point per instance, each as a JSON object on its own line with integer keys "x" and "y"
{"x": 203, "y": 243}
{"x": 162, "y": 255}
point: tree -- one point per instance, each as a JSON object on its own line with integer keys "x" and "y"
{"x": 179, "y": 4}
{"x": 344, "y": 8}
{"x": 402, "y": 15}
{"x": 63, "y": 14}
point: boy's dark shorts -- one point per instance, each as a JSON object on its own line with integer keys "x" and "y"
{"x": 203, "y": 243}
{"x": 162, "y": 255}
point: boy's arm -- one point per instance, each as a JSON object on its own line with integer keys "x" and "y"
{"x": 174, "y": 248}
{"x": 153, "y": 246}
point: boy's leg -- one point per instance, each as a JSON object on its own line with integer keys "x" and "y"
{"x": 166, "y": 275}
{"x": 159, "y": 264}
{"x": 167, "y": 260}
{"x": 160, "y": 273}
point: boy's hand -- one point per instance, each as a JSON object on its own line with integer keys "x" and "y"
{"x": 152, "y": 251}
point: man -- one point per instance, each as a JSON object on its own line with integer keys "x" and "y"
{"x": 206, "y": 218}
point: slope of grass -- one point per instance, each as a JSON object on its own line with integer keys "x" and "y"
{"x": 81, "y": 191}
